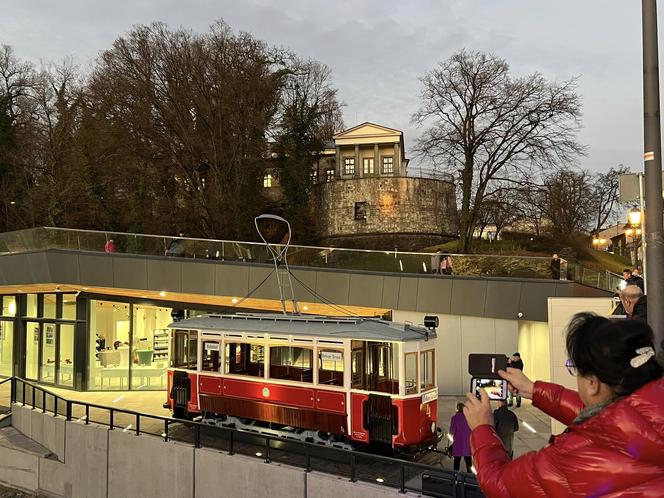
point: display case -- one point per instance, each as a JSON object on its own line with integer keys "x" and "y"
{"x": 161, "y": 345}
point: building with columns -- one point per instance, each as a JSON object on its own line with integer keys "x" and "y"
{"x": 365, "y": 197}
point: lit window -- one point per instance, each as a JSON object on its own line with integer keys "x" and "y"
{"x": 388, "y": 164}
{"x": 267, "y": 181}
{"x": 314, "y": 177}
{"x": 349, "y": 166}
{"x": 329, "y": 175}
{"x": 368, "y": 165}
{"x": 291, "y": 363}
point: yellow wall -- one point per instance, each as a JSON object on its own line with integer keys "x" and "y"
{"x": 534, "y": 349}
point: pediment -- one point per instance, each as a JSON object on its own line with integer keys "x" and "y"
{"x": 367, "y": 130}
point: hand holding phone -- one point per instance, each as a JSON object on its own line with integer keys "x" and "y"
{"x": 496, "y": 389}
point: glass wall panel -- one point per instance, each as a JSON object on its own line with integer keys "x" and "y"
{"x": 32, "y": 350}
{"x": 109, "y": 351}
{"x": 32, "y": 306}
{"x": 150, "y": 345}
{"x": 49, "y": 305}
{"x": 6, "y": 348}
{"x": 69, "y": 306}
{"x": 9, "y": 306}
{"x": 66, "y": 360}
{"x": 48, "y": 353}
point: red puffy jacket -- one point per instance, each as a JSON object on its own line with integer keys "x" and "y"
{"x": 618, "y": 452}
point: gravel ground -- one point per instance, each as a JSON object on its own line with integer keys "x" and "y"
{"x": 12, "y": 493}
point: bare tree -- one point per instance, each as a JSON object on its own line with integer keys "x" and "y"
{"x": 605, "y": 196}
{"x": 487, "y": 126}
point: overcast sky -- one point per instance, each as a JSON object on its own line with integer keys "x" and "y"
{"x": 377, "y": 48}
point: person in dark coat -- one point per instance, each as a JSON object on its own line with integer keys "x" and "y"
{"x": 506, "y": 425}
{"x": 555, "y": 267}
{"x": 634, "y": 302}
{"x": 638, "y": 279}
{"x": 515, "y": 361}
{"x": 461, "y": 439}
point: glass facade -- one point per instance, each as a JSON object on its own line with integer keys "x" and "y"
{"x": 6, "y": 348}
{"x": 108, "y": 361}
{"x": 150, "y": 347}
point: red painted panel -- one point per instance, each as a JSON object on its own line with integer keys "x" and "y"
{"x": 209, "y": 385}
{"x": 357, "y": 405}
{"x": 331, "y": 401}
{"x": 192, "y": 406}
{"x": 169, "y": 384}
{"x": 415, "y": 421}
{"x": 302, "y": 397}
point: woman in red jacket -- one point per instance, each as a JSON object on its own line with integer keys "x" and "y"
{"x": 614, "y": 443}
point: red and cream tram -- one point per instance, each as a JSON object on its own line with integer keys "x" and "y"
{"x": 362, "y": 380}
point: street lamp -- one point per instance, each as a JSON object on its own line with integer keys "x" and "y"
{"x": 633, "y": 230}
{"x": 634, "y": 217}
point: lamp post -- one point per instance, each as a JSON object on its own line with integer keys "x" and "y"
{"x": 633, "y": 231}
{"x": 654, "y": 229}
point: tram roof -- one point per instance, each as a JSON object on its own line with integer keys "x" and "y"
{"x": 373, "y": 329}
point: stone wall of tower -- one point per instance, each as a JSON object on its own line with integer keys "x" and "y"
{"x": 383, "y": 212}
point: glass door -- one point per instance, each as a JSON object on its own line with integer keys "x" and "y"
{"x": 6, "y": 348}
{"x": 65, "y": 371}
{"x": 33, "y": 333}
{"x": 48, "y": 357}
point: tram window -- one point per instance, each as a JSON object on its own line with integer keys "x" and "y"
{"x": 210, "y": 356}
{"x": 411, "y": 373}
{"x": 357, "y": 355}
{"x": 245, "y": 359}
{"x": 382, "y": 367}
{"x": 193, "y": 350}
{"x": 331, "y": 367}
{"x": 184, "y": 349}
{"x": 427, "y": 361}
{"x": 291, "y": 363}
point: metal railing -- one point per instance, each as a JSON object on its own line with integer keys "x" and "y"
{"x": 494, "y": 265}
{"x": 355, "y": 465}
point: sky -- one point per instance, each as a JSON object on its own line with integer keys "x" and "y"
{"x": 377, "y": 49}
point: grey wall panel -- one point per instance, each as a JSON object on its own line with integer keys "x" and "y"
{"x": 41, "y": 268}
{"x": 64, "y": 267}
{"x": 130, "y": 273}
{"x": 231, "y": 280}
{"x": 408, "y": 294}
{"x": 534, "y": 299}
{"x": 468, "y": 297}
{"x": 307, "y": 277}
{"x": 333, "y": 286}
{"x": 197, "y": 278}
{"x": 270, "y": 288}
{"x": 390, "y": 297}
{"x": 366, "y": 290}
{"x": 434, "y": 294}
{"x": 16, "y": 269}
{"x": 96, "y": 270}
{"x": 502, "y": 299}
{"x": 165, "y": 274}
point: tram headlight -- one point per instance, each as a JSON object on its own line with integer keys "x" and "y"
{"x": 433, "y": 427}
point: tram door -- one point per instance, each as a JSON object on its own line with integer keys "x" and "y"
{"x": 379, "y": 423}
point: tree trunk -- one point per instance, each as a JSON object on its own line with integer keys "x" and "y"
{"x": 464, "y": 219}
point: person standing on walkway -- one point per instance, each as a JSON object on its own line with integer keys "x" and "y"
{"x": 446, "y": 264}
{"x": 109, "y": 247}
{"x": 555, "y": 267}
{"x": 515, "y": 361}
{"x": 506, "y": 425}
{"x": 435, "y": 261}
{"x": 461, "y": 439}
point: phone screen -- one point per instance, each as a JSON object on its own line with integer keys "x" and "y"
{"x": 495, "y": 388}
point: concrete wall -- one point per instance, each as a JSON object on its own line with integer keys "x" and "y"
{"x": 99, "y": 463}
{"x": 458, "y": 336}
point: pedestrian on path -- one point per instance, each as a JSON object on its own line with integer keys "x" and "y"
{"x": 461, "y": 439}
{"x": 506, "y": 425}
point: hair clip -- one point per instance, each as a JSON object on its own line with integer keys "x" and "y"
{"x": 644, "y": 354}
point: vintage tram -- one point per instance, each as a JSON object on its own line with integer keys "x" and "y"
{"x": 363, "y": 381}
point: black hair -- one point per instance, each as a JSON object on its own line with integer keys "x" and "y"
{"x": 460, "y": 407}
{"x": 627, "y": 270}
{"x": 602, "y": 347}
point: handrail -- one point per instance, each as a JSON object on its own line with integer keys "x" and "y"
{"x": 460, "y": 479}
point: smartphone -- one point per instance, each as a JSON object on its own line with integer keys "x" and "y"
{"x": 495, "y": 388}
